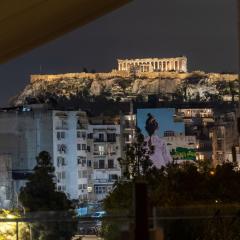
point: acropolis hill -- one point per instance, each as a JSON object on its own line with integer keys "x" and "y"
{"x": 134, "y": 77}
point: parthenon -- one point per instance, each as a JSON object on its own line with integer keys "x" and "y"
{"x": 178, "y": 64}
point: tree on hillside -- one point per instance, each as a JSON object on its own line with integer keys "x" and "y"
{"x": 40, "y": 195}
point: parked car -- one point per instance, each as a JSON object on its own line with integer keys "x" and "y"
{"x": 99, "y": 214}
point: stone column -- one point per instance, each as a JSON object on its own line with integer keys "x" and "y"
{"x": 180, "y": 65}
{"x": 176, "y": 65}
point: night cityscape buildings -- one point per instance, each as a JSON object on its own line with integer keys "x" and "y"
{"x": 86, "y": 121}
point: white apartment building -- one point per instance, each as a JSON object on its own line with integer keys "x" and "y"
{"x": 86, "y": 166}
{"x": 104, "y": 145}
{"x": 85, "y": 156}
{"x": 70, "y": 152}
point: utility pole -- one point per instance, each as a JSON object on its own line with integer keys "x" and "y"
{"x": 141, "y": 211}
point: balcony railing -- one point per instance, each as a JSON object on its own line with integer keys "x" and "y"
{"x": 104, "y": 180}
{"x": 61, "y": 127}
{"x": 104, "y": 140}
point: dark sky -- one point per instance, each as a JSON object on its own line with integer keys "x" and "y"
{"x": 203, "y": 30}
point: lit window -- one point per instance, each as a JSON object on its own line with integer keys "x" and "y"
{"x": 101, "y": 149}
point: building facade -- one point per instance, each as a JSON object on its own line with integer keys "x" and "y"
{"x": 104, "y": 145}
{"x": 224, "y": 137}
{"x": 24, "y": 132}
{"x": 178, "y": 64}
{"x": 6, "y": 190}
{"x": 84, "y": 155}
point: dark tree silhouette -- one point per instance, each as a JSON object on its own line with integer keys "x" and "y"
{"x": 39, "y": 196}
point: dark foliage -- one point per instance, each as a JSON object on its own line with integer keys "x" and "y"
{"x": 40, "y": 197}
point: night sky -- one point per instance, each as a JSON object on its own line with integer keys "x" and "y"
{"x": 203, "y": 30}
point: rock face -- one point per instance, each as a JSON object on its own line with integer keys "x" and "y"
{"x": 122, "y": 84}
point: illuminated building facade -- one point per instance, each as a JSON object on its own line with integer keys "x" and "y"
{"x": 178, "y": 64}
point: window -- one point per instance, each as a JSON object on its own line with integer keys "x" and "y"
{"x": 95, "y": 165}
{"x": 58, "y": 135}
{"x": 59, "y": 188}
{"x": 101, "y": 150}
{"x": 63, "y": 175}
{"x": 127, "y": 137}
{"x": 113, "y": 177}
{"x": 61, "y": 161}
{"x": 89, "y": 163}
{"x": 111, "y": 137}
{"x": 88, "y": 148}
{"x": 81, "y": 160}
{"x": 61, "y": 124}
{"x": 110, "y": 163}
{"x": 84, "y": 186}
{"x": 61, "y": 148}
{"x": 101, "y": 137}
{"x": 90, "y": 136}
{"x": 111, "y": 149}
{"x": 84, "y": 174}
{"x": 81, "y": 134}
{"x": 80, "y": 186}
{"x": 84, "y": 161}
{"x": 81, "y": 147}
{"x": 127, "y": 123}
{"x": 100, "y": 189}
{"x": 101, "y": 163}
{"x": 84, "y": 135}
{"x": 59, "y": 176}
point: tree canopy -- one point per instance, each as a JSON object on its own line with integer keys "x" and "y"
{"x": 40, "y": 198}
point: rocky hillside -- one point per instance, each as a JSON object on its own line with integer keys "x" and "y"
{"x": 123, "y": 85}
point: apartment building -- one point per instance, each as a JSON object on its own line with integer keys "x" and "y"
{"x": 84, "y": 155}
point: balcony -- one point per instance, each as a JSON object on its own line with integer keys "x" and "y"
{"x": 100, "y": 153}
{"x": 109, "y": 140}
{"x": 62, "y": 127}
{"x": 99, "y": 140}
{"x": 104, "y": 180}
